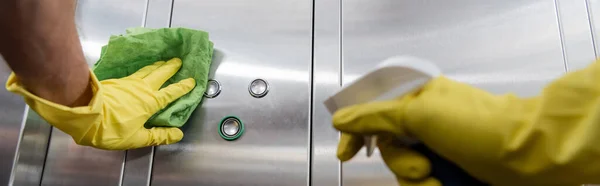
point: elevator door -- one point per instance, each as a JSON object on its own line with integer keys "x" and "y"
{"x": 269, "y": 40}
{"x": 500, "y": 46}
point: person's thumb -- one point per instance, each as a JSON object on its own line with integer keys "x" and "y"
{"x": 348, "y": 146}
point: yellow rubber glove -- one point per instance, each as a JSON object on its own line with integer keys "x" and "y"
{"x": 551, "y": 139}
{"x": 115, "y": 117}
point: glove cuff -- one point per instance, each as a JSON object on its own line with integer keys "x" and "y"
{"x": 58, "y": 115}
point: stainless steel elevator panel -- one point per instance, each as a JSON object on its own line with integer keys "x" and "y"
{"x": 500, "y": 46}
{"x": 270, "y": 40}
{"x": 68, "y": 163}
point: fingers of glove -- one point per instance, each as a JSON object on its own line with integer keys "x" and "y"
{"x": 162, "y": 135}
{"x": 348, "y": 146}
{"x": 427, "y": 182}
{"x": 143, "y": 72}
{"x": 372, "y": 118}
{"x": 159, "y": 76}
{"x": 403, "y": 161}
{"x": 174, "y": 91}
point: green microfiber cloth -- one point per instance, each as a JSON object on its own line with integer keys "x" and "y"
{"x": 125, "y": 54}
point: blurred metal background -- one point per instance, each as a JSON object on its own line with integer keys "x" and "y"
{"x": 305, "y": 50}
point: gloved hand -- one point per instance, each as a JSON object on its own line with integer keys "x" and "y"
{"x": 115, "y": 117}
{"x": 551, "y": 139}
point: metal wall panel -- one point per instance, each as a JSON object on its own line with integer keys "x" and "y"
{"x": 31, "y": 152}
{"x": 576, "y": 32}
{"x": 138, "y": 167}
{"x": 158, "y": 13}
{"x": 325, "y": 169}
{"x": 253, "y": 39}
{"x": 500, "y": 46}
{"x": 68, "y": 163}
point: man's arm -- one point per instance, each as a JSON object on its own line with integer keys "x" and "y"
{"x": 39, "y": 42}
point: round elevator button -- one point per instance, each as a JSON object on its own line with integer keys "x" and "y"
{"x": 231, "y": 128}
{"x": 258, "y": 88}
{"x": 213, "y": 88}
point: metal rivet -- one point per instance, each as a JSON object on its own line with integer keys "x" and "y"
{"x": 213, "y": 89}
{"x": 258, "y": 88}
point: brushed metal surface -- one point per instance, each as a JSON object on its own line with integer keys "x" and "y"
{"x": 158, "y": 13}
{"x": 138, "y": 166}
{"x": 500, "y": 46}
{"x": 68, "y": 163}
{"x": 593, "y": 7}
{"x": 594, "y": 17}
{"x": 574, "y": 21}
{"x": 270, "y": 40}
{"x": 11, "y": 112}
{"x": 325, "y": 167}
{"x": 32, "y": 149}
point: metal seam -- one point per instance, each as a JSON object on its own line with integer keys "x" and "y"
{"x": 311, "y": 97}
{"x": 341, "y": 71}
{"x": 11, "y": 179}
{"x": 561, "y": 36}
{"x": 171, "y": 13}
{"x": 145, "y": 15}
{"x": 341, "y": 52}
{"x": 591, "y": 25}
{"x": 123, "y": 168}
{"x": 150, "y": 166}
{"x": 46, "y": 154}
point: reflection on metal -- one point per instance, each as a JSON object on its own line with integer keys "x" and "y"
{"x": 231, "y": 128}
{"x": 279, "y": 50}
{"x": 213, "y": 89}
{"x": 258, "y": 88}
